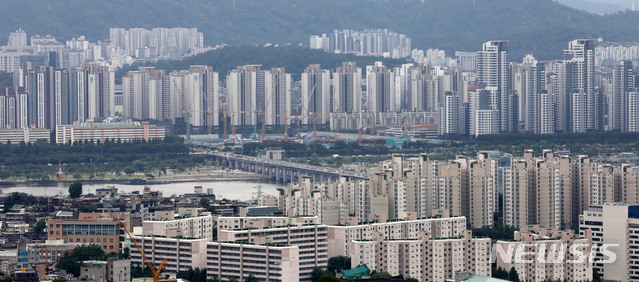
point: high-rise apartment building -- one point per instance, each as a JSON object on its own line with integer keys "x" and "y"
{"x": 580, "y": 108}
{"x": 380, "y": 89}
{"x": 483, "y": 117}
{"x": 493, "y": 71}
{"x": 347, "y": 89}
{"x": 277, "y": 101}
{"x": 619, "y": 115}
{"x": 316, "y": 94}
{"x": 245, "y": 89}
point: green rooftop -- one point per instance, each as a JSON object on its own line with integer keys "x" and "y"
{"x": 357, "y": 273}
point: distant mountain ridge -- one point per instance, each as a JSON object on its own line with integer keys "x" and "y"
{"x": 541, "y": 25}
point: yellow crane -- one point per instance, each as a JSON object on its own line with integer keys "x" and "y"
{"x": 156, "y": 271}
{"x": 239, "y": 140}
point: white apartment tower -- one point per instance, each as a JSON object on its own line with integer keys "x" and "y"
{"x": 493, "y": 71}
{"x": 579, "y": 85}
{"x": 277, "y": 96}
{"x": 380, "y": 89}
{"x": 244, "y": 84}
{"x": 316, "y": 93}
{"x": 347, "y": 89}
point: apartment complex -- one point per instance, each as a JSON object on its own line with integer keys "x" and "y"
{"x": 123, "y": 131}
{"x": 424, "y": 258}
{"x": 312, "y": 241}
{"x": 26, "y": 135}
{"x": 339, "y": 237}
{"x": 550, "y": 254}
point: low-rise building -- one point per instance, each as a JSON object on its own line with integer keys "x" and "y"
{"x": 48, "y": 253}
{"x": 123, "y": 131}
{"x": 112, "y": 270}
{"x": 89, "y": 228}
{"x": 26, "y": 135}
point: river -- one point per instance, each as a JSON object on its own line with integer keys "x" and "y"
{"x": 236, "y": 190}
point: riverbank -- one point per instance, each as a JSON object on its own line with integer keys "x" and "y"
{"x": 201, "y": 174}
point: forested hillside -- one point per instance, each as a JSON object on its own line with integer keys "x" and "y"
{"x": 541, "y": 25}
{"x": 294, "y": 58}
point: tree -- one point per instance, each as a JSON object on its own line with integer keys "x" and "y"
{"x": 40, "y": 226}
{"x": 4, "y": 174}
{"x": 512, "y": 275}
{"x": 139, "y": 271}
{"x": 328, "y": 277}
{"x": 129, "y": 170}
{"x": 193, "y": 275}
{"x": 70, "y": 262}
{"x": 338, "y": 264}
{"x": 381, "y": 274}
{"x": 317, "y": 273}
{"x": 499, "y": 272}
{"x": 250, "y": 278}
{"x": 124, "y": 253}
{"x": 75, "y": 190}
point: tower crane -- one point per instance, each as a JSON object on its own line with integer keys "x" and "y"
{"x": 209, "y": 120}
{"x": 156, "y": 271}
{"x": 239, "y": 140}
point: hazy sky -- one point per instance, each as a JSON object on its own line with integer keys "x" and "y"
{"x": 601, "y": 6}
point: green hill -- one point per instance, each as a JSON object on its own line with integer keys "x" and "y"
{"x": 294, "y": 58}
{"x": 541, "y": 25}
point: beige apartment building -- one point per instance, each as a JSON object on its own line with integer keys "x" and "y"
{"x": 124, "y": 131}
{"x": 26, "y": 135}
{"x": 260, "y": 222}
{"x": 264, "y": 262}
{"x": 312, "y": 241}
{"x": 200, "y": 227}
{"x": 560, "y": 255}
{"x": 339, "y": 237}
{"x": 615, "y": 226}
{"x": 424, "y": 258}
{"x": 180, "y": 254}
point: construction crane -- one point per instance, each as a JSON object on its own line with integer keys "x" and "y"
{"x": 261, "y": 113}
{"x": 239, "y": 140}
{"x": 315, "y": 116}
{"x": 156, "y": 271}
{"x": 209, "y": 121}
{"x": 286, "y": 124}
